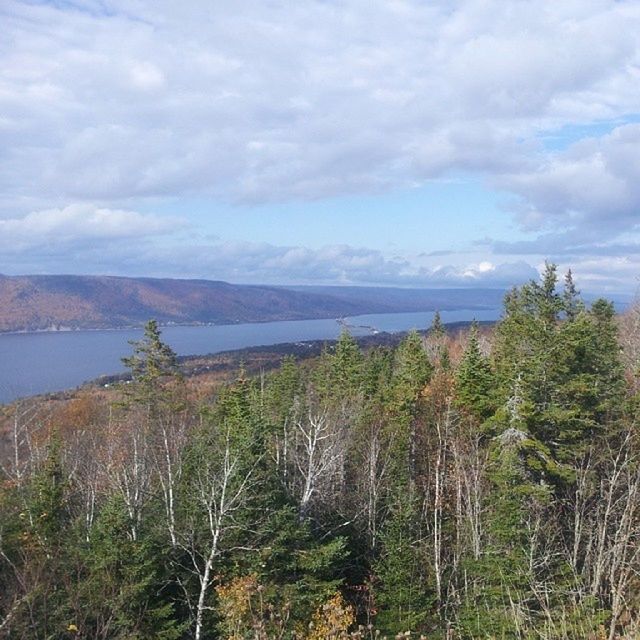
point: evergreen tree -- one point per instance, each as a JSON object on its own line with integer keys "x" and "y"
{"x": 436, "y": 344}
{"x": 346, "y": 365}
{"x": 121, "y": 595}
{"x": 499, "y": 598}
{"x": 152, "y": 363}
{"x": 475, "y": 380}
{"x": 572, "y": 303}
{"x": 283, "y": 391}
{"x": 402, "y": 598}
{"x": 437, "y": 328}
{"x": 48, "y": 503}
{"x": 569, "y": 370}
{"x": 298, "y": 568}
{"x": 411, "y": 372}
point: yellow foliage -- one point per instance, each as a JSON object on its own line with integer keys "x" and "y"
{"x": 332, "y": 620}
{"x": 236, "y": 606}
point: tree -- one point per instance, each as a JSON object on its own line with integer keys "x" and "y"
{"x": 475, "y": 381}
{"x": 412, "y": 371}
{"x": 120, "y": 592}
{"x": 152, "y": 432}
{"x": 569, "y": 370}
{"x": 572, "y": 303}
{"x": 216, "y": 488}
{"x": 151, "y": 363}
{"x": 499, "y": 601}
{"x": 346, "y": 366}
{"x": 401, "y": 597}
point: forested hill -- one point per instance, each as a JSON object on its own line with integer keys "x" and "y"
{"x": 35, "y": 303}
{"x": 460, "y": 485}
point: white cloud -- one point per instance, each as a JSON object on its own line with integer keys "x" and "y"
{"x": 77, "y": 224}
{"x": 257, "y": 263}
{"x": 273, "y": 101}
{"x": 484, "y": 274}
{"x": 593, "y": 186}
{"x": 117, "y": 101}
{"x": 582, "y": 201}
{"x": 146, "y": 76}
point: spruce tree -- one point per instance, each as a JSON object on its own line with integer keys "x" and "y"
{"x": 124, "y": 593}
{"x": 151, "y": 363}
{"x": 346, "y": 365}
{"x": 412, "y": 371}
{"x": 475, "y": 380}
{"x": 572, "y": 303}
{"x": 402, "y": 599}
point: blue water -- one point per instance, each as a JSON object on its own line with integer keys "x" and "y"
{"x": 33, "y": 363}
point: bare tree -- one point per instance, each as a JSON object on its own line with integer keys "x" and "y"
{"x": 470, "y": 459}
{"x": 605, "y": 550}
{"x": 319, "y": 455}
{"x": 23, "y": 454}
{"x": 220, "y": 489}
{"x": 26, "y": 452}
{"x": 443, "y": 426}
{"x": 170, "y": 439}
{"x": 129, "y": 467}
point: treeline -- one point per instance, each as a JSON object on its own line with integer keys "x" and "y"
{"x": 458, "y": 488}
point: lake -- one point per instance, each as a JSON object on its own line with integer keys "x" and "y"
{"x": 34, "y": 363}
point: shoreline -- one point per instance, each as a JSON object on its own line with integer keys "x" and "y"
{"x": 254, "y": 360}
{"x": 164, "y": 325}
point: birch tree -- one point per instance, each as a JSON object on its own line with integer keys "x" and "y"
{"x": 214, "y": 496}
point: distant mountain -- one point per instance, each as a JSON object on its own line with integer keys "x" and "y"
{"x": 396, "y": 299}
{"x": 36, "y": 303}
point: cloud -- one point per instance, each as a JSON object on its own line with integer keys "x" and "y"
{"x": 129, "y": 251}
{"x": 582, "y": 201}
{"x": 110, "y": 106}
{"x": 276, "y": 101}
{"x": 596, "y": 180}
{"x": 332, "y": 264}
{"x": 78, "y": 225}
{"x": 484, "y": 274}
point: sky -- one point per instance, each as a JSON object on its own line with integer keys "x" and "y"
{"x": 440, "y": 143}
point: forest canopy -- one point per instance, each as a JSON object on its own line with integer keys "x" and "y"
{"x": 472, "y": 484}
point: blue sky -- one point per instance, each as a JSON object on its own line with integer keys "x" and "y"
{"x": 461, "y": 209}
{"x": 448, "y": 143}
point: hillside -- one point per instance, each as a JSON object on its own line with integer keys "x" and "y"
{"x": 37, "y": 303}
{"x": 30, "y": 303}
{"x": 458, "y": 483}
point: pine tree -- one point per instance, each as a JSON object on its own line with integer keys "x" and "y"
{"x": 299, "y": 568}
{"x": 499, "y": 598}
{"x": 48, "y": 504}
{"x": 572, "y": 303}
{"x": 436, "y": 344}
{"x": 557, "y": 361}
{"x": 151, "y": 363}
{"x": 121, "y": 595}
{"x": 437, "y": 328}
{"x": 346, "y": 365}
{"x": 411, "y": 372}
{"x": 475, "y": 380}
{"x": 155, "y": 397}
{"x": 283, "y": 390}
{"x": 402, "y": 598}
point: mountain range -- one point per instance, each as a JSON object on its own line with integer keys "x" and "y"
{"x": 64, "y": 302}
